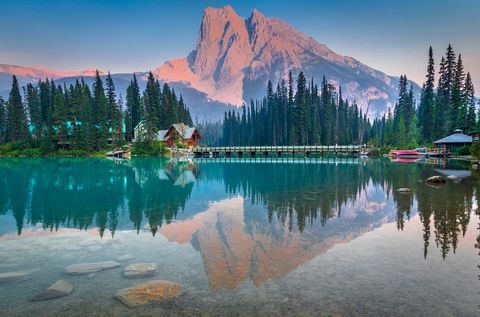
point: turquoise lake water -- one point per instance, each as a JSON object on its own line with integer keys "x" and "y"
{"x": 264, "y": 237}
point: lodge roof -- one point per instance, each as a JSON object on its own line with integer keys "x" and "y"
{"x": 184, "y": 130}
{"x": 456, "y": 137}
{"x": 162, "y": 135}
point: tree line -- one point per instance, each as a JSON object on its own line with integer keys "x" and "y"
{"x": 309, "y": 115}
{"x": 51, "y": 116}
{"x": 301, "y": 115}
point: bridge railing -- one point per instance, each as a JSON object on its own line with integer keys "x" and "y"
{"x": 280, "y": 148}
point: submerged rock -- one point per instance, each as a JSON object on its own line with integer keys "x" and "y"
{"x": 85, "y": 268}
{"x": 125, "y": 257}
{"x": 138, "y": 270}
{"x": 150, "y": 292}
{"x": 14, "y": 276}
{"x": 404, "y": 190}
{"x": 436, "y": 180}
{"x": 59, "y": 289}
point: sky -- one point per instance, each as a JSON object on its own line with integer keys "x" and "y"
{"x": 125, "y": 36}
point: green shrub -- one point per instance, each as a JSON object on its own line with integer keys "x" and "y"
{"x": 464, "y": 150}
{"x": 475, "y": 149}
{"x": 144, "y": 148}
{"x": 374, "y": 152}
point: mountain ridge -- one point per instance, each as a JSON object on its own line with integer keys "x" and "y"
{"x": 233, "y": 59}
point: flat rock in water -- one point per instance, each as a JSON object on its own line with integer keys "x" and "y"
{"x": 125, "y": 257}
{"x": 404, "y": 190}
{"x": 59, "y": 289}
{"x": 452, "y": 177}
{"x": 436, "y": 180}
{"x": 149, "y": 292}
{"x": 14, "y": 276}
{"x": 85, "y": 268}
{"x": 140, "y": 270}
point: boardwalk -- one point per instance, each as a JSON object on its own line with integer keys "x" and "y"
{"x": 252, "y": 151}
{"x": 283, "y": 160}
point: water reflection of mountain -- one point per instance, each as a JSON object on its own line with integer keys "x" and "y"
{"x": 345, "y": 197}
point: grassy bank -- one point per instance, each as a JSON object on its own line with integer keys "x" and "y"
{"x": 19, "y": 149}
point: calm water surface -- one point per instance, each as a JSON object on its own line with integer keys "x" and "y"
{"x": 265, "y": 237}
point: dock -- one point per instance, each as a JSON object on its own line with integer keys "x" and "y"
{"x": 119, "y": 154}
{"x": 265, "y": 151}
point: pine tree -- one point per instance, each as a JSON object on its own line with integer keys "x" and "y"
{"x": 389, "y": 138}
{"x": 33, "y": 105}
{"x": 426, "y": 108}
{"x": 401, "y": 139}
{"x": 99, "y": 113}
{"x": 441, "y": 104}
{"x": 17, "y": 129}
{"x": 3, "y": 121}
{"x": 301, "y": 113}
{"x": 117, "y": 126}
{"x": 134, "y": 108}
{"x": 60, "y": 118}
{"x": 470, "y": 102}
{"x": 413, "y": 133}
{"x": 114, "y": 112}
{"x": 458, "y": 110}
{"x": 151, "y": 99}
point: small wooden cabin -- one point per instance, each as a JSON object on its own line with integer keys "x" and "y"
{"x": 178, "y": 133}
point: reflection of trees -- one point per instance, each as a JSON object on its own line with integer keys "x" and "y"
{"x": 84, "y": 192}
{"x": 154, "y": 194}
{"x": 304, "y": 193}
{"x": 477, "y": 243}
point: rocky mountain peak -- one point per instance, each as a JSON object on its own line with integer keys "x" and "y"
{"x": 235, "y": 57}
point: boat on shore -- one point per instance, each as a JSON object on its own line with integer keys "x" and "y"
{"x": 405, "y": 154}
{"x": 431, "y": 152}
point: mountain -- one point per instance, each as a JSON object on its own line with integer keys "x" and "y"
{"x": 33, "y": 74}
{"x": 235, "y": 57}
{"x": 232, "y": 62}
{"x": 201, "y": 107}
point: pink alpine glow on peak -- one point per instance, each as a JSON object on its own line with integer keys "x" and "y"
{"x": 234, "y": 54}
{"x": 39, "y": 72}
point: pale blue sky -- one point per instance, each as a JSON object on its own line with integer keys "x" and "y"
{"x": 125, "y": 36}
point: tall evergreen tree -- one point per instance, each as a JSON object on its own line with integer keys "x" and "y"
{"x": 133, "y": 105}
{"x": 151, "y": 99}
{"x": 60, "y": 127}
{"x": 114, "y": 112}
{"x": 17, "y": 129}
{"x": 470, "y": 102}
{"x": 3, "y": 121}
{"x": 33, "y": 105}
{"x": 458, "y": 109}
{"x": 99, "y": 113}
{"x": 426, "y": 107}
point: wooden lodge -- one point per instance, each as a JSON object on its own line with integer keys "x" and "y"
{"x": 178, "y": 133}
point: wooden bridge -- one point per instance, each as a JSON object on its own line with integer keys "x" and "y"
{"x": 252, "y": 151}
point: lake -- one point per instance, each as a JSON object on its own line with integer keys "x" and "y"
{"x": 242, "y": 237}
